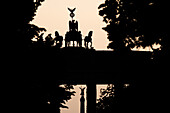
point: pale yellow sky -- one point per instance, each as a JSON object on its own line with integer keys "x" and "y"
{"x": 54, "y": 15}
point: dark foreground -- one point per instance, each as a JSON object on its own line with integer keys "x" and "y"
{"x": 147, "y": 77}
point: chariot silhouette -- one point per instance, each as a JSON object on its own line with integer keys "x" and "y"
{"x": 74, "y": 35}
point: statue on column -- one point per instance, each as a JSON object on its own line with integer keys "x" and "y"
{"x": 82, "y": 100}
{"x": 82, "y": 91}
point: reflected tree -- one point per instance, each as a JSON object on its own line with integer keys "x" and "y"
{"x": 106, "y": 102}
{"x": 115, "y": 98}
{"x": 49, "y": 97}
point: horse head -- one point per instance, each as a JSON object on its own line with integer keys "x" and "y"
{"x": 90, "y": 33}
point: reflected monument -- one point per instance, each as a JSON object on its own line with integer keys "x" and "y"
{"x": 82, "y": 100}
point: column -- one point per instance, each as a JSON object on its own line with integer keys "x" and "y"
{"x": 91, "y": 97}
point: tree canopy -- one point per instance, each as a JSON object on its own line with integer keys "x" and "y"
{"x": 24, "y": 13}
{"x": 49, "y": 96}
{"x": 134, "y": 23}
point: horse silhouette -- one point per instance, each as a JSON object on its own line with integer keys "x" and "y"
{"x": 49, "y": 40}
{"x": 58, "y": 39}
{"x": 88, "y": 39}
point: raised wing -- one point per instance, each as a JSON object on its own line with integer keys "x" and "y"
{"x": 74, "y": 9}
{"x": 71, "y": 10}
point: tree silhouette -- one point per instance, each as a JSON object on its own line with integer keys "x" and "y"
{"x": 49, "y": 96}
{"x": 115, "y": 98}
{"x": 121, "y": 23}
{"x": 57, "y": 96}
{"x": 133, "y": 23}
{"x": 106, "y": 101}
{"x": 154, "y": 24}
{"x": 24, "y": 13}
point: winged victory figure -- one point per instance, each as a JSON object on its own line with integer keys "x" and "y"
{"x": 72, "y": 10}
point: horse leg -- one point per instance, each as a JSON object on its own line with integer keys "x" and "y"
{"x": 78, "y": 44}
{"x": 84, "y": 43}
{"x": 69, "y": 44}
{"x": 65, "y": 43}
{"x": 91, "y": 44}
{"x": 73, "y": 43}
{"x": 87, "y": 44}
{"x": 61, "y": 43}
